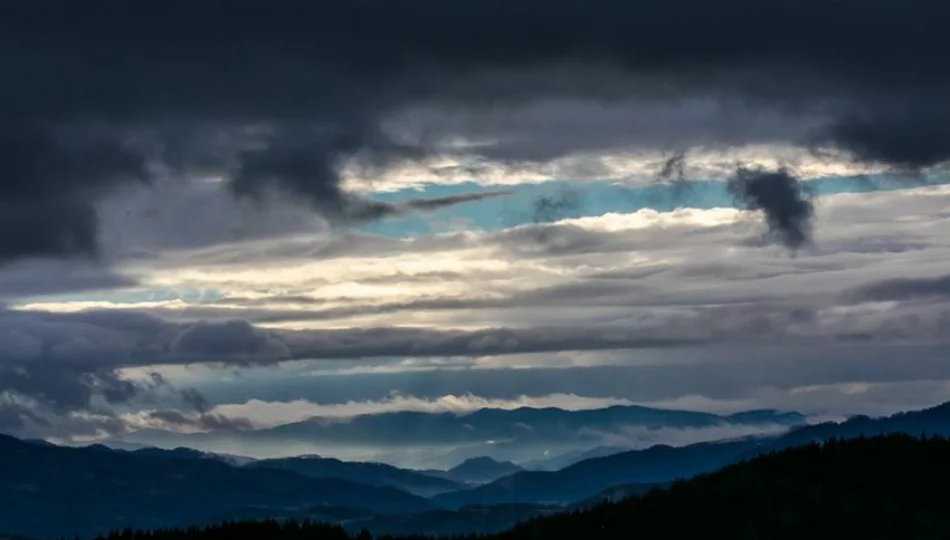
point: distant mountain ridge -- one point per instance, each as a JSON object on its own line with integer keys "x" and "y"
{"x": 477, "y": 470}
{"x": 374, "y": 474}
{"x": 662, "y": 464}
{"x": 49, "y": 490}
{"x": 525, "y": 423}
{"x": 185, "y": 453}
{"x": 567, "y": 459}
{"x": 880, "y": 487}
{"x": 155, "y": 488}
{"x": 516, "y": 435}
{"x": 654, "y": 465}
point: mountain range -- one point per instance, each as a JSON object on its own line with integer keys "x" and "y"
{"x": 374, "y": 474}
{"x": 477, "y": 470}
{"x": 661, "y": 464}
{"x": 441, "y": 440}
{"x": 524, "y": 424}
{"x": 879, "y": 487}
{"x": 50, "y": 490}
{"x": 567, "y": 459}
{"x": 156, "y": 488}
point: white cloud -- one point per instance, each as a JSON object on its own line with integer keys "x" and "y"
{"x": 263, "y": 413}
{"x": 826, "y": 401}
{"x": 684, "y": 274}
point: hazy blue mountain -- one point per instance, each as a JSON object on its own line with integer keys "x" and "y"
{"x": 765, "y": 416}
{"x": 930, "y": 421}
{"x": 421, "y": 440}
{"x": 190, "y": 453}
{"x": 880, "y": 487}
{"x": 655, "y": 465}
{"x": 374, "y": 474}
{"x": 524, "y": 424}
{"x": 153, "y": 487}
{"x": 662, "y": 464}
{"x": 477, "y": 470}
{"x": 567, "y": 459}
{"x": 50, "y": 490}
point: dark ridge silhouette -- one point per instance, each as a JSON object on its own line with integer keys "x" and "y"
{"x": 374, "y": 474}
{"x": 46, "y": 491}
{"x": 660, "y": 464}
{"x": 477, "y": 470}
{"x": 168, "y": 488}
{"x": 880, "y": 487}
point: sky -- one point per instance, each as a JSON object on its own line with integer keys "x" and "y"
{"x": 234, "y": 215}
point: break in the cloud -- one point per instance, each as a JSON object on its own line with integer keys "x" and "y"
{"x": 278, "y": 96}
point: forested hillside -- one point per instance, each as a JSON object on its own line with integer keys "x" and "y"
{"x": 881, "y": 487}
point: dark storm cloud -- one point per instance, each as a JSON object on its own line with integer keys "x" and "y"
{"x": 307, "y": 165}
{"x": 323, "y": 76}
{"x": 782, "y": 199}
{"x": 229, "y": 339}
{"x": 48, "y": 183}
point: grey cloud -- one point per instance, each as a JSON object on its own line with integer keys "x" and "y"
{"x": 62, "y": 344}
{"x": 324, "y": 78}
{"x": 15, "y": 417}
{"x": 884, "y": 243}
{"x": 174, "y": 213}
{"x": 63, "y": 387}
{"x": 69, "y": 362}
{"x": 901, "y": 289}
{"x": 48, "y": 277}
{"x": 234, "y": 340}
{"x": 195, "y": 399}
{"x": 203, "y": 421}
{"x": 308, "y": 164}
{"x": 724, "y": 373}
{"x": 559, "y": 129}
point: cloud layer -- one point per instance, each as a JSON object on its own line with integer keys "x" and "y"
{"x": 282, "y": 96}
{"x": 649, "y": 283}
